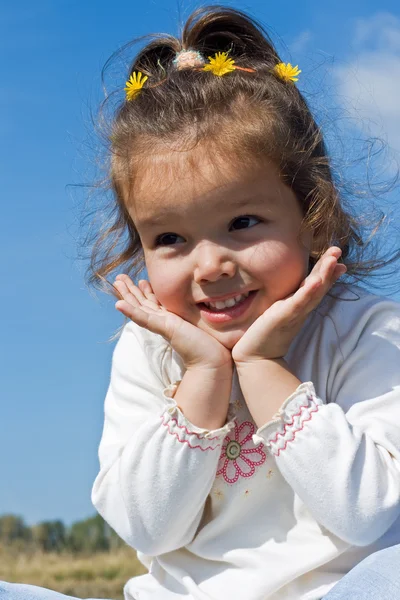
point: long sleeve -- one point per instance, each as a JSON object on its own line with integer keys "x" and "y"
{"x": 156, "y": 468}
{"x": 339, "y": 448}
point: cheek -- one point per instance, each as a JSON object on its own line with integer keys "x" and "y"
{"x": 281, "y": 266}
{"x": 276, "y": 256}
{"x": 166, "y": 284}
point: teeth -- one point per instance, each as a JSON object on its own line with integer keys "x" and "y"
{"x": 227, "y": 303}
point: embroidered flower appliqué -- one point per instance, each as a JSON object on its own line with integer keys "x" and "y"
{"x": 239, "y": 456}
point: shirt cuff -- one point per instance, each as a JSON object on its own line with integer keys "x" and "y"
{"x": 184, "y": 430}
{"x": 291, "y": 417}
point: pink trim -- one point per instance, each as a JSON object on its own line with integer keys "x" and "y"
{"x": 175, "y": 433}
{"x": 249, "y": 435}
{"x": 287, "y": 425}
{"x": 198, "y": 435}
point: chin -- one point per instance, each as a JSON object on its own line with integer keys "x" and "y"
{"x": 228, "y": 338}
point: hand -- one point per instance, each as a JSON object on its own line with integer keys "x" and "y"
{"x": 271, "y": 334}
{"x": 196, "y": 347}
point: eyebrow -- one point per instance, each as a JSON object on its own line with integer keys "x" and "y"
{"x": 164, "y": 213}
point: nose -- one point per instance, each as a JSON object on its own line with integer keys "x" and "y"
{"x": 213, "y": 262}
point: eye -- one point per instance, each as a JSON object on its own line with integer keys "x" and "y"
{"x": 244, "y": 222}
{"x": 166, "y": 239}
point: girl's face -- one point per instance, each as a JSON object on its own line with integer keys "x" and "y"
{"x": 211, "y": 232}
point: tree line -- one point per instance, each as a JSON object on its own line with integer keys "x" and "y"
{"x": 87, "y": 536}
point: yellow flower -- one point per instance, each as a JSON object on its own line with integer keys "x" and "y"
{"x": 134, "y": 85}
{"x": 220, "y": 64}
{"x": 286, "y": 72}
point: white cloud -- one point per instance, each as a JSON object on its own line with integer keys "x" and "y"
{"x": 369, "y": 84}
{"x": 381, "y": 30}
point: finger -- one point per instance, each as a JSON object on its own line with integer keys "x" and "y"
{"x": 327, "y": 268}
{"x": 144, "y": 286}
{"x": 318, "y": 284}
{"x": 326, "y": 265}
{"x": 315, "y": 271}
{"x": 138, "y": 294}
{"x": 331, "y": 251}
{"x": 149, "y": 295}
{"x": 309, "y": 296}
{"x": 118, "y": 293}
{"x": 156, "y": 322}
{"x": 126, "y": 283}
{"x": 135, "y": 313}
{"x": 147, "y": 290}
{"x": 126, "y": 294}
{"x": 335, "y": 251}
{"x": 126, "y": 279}
{"x": 340, "y": 270}
{"x": 134, "y": 290}
{"x": 332, "y": 270}
{"x": 313, "y": 284}
{"x": 313, "y": 289}
{"x": 130, "y": 311}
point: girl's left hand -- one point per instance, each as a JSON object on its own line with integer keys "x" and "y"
{"x": 272, "y": 333}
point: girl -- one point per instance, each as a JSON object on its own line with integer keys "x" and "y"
{"x": 251, "y": 445}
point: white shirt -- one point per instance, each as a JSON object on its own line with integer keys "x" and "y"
{"x": 278, "y": 513}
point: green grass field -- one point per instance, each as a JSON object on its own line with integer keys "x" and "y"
{"x": 101, "y": 575}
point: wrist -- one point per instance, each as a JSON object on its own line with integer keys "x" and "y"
{"x": 265, "y": 385}
{"x": 256, "y": 362}
{"x": 203, "y": 395}
{"x": 212, "y": 369}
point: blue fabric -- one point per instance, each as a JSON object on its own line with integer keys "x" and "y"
{"x": 22, "y": 591}
{"x": 375, "y": 578}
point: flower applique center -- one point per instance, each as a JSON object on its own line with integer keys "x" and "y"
{"x": 233, "y": 450}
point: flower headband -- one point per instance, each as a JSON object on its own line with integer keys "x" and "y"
{"x": 219, "y": 65}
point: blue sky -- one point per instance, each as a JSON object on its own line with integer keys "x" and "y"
{"x": 55, "y": 357}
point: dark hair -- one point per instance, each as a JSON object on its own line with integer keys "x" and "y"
{"x": 251, "y": 116}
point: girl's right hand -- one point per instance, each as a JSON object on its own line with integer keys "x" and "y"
{"x": 197, "y": 348}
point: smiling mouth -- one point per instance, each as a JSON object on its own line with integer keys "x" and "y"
{"x": 226, "y": 306}
{"x": 222, "y": 304}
